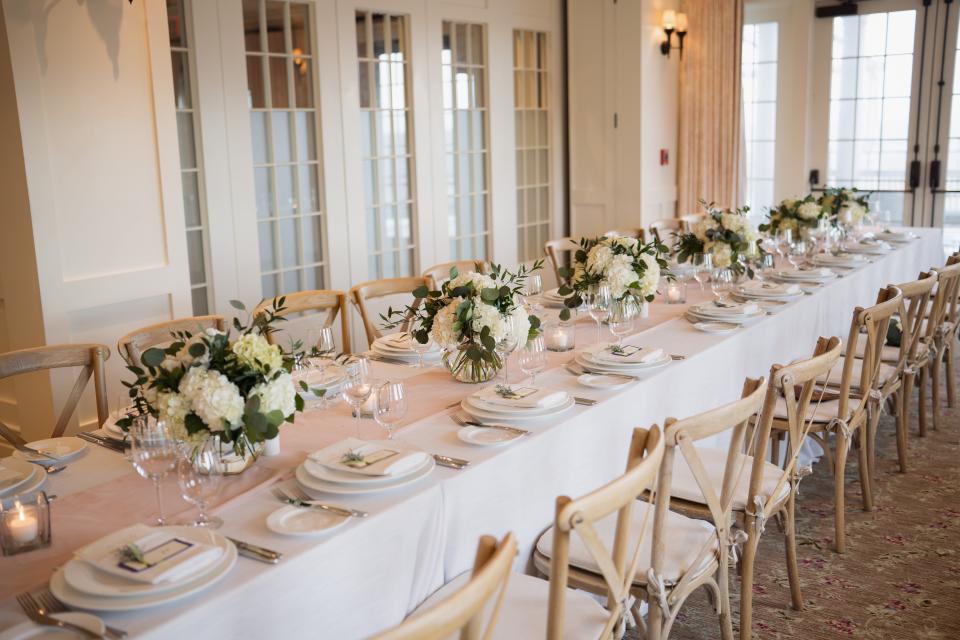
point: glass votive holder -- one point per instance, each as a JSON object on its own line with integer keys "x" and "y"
{"x": 674, "y": 291}
{"x": 24, "y": 523}
{"x": 559, "y": 335}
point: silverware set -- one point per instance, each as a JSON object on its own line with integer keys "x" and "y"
{"x": 298, "y": 498}
{"x": 39, "y": 612}
{"x": 107, "y": 443}
{"x": 382, "y": 358}
{"x": 254, "y": 552}
{"x": 452, "y": 463}
{"x": 464, "y": 422}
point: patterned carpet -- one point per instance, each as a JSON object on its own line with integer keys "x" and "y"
{"x": 900, "y": 575}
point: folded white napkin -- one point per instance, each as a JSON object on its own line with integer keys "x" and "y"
{"x": 401, "y": 341}
{"x": 632, "y": 354}
{"x": 527, "y": 397}
{"x": 379, "y": 458}
{"x": 176, "y": 558}
{"x": 770, "y": 288}
{"x": 8, "y": 477}
{"x": 827, "y": 258}
{"x": 729, "y": 309}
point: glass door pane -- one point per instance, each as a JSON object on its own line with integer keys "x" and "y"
{"x": 759, "y": 79}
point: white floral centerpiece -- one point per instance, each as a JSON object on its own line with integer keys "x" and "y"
{"x": 468, "y": 317}
{"x": 625, "y": 265}
{"x": 848, "y": 206}
{"x": 206, "y": 385}
{"x": 794, "y": 214}
{"x": 725, "y": 234}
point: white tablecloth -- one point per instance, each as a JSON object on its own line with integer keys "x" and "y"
{"x": 366, "y": 575}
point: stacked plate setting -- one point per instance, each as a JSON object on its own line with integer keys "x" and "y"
{"x": 552, "y": 298}
{"x": 59, "y": 450}
{"x": 899, "y": 237}
{"x": 730, "y": 313}
{"x": 397, "y": 346}
{"x": 83, "y": 584}
{"x": 484, "y": 405}
{"x": 872, "y": 246}
{"x": 755, "y": 290}
{"x": 842, "y": 260}
{"x": 593, "y": 360}
{"x": 19, "y": 477}
{"x": 329, "y": 379}
{"x": 321, "y": 471}
{"x": 805, "y": 276}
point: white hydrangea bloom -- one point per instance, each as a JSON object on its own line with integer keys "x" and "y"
{"x": 212, "y": 397}
{"x": 702, "y": 226}
{"x": 809, "y": 211}
{"x": 599, "y": 257}
{"x": 442, "y": 332}
{"x": 253, "y": 347}
{"x": 627, "y": 242}
{"x": 520, "y": 323}
{"x": 789, "y": 202}
{"x": 722, "y": 255}
{"x": 853, "y": 211}
{"x": 276, "y": 395}
{"x": 620, "y": 275}
{"x": 479, "y": 281}
{"x": 487, "y": 315}
{"x": 651, "y": 276}
{"x": 172, "y": 408}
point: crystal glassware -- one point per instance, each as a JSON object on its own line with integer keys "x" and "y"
{"x": 597, "y": 300}
{"x": 506, "y": 346}
{"x": 532, "y": 289}
{"x": 622, "y": 316}
{"x": 702, "y": 266}
{"x": 390, "y": 406}
{"x": 797, "y": 253}
{"x": 722, "y": 283}
{"x": 199, "y": 473}
{"x": 533, "y": 357}
{"x": 153, "y": 452}
{"x": 357, "y": 387}
{"x": 320, "y": 351}
{"x": 421, "y": 348}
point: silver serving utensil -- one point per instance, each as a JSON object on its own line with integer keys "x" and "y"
{"x": 463, "y": 422}
{"x": 587, "y": 402}
{"x": 24, "y": 449}
{"x": 677, "y": 356}
{"x": 54, "y": 469}
{"x": 51, "y": 604}
{"x": 453, "y": 463}
{"x": 37, "y": 613}
{"x": 254, "y": 552}
{"x": 107, "y": 443}
{"x": 388, "y": 359}
{"x": 299, "y": 499}
{"x": 577, "y": 370}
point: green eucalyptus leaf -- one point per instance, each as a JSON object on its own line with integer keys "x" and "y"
{"x": 153, "y": 357}
{"x": 236, "y": 304}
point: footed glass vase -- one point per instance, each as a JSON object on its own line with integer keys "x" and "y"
{"x": 463, "y": 369}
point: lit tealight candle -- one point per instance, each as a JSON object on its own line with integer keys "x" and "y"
{"x": 23, "y": 526}
{"x": 559, "y": 337}
{"x": 674, "y": 293}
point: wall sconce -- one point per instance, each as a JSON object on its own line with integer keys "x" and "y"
{"x": 673, "y": 22}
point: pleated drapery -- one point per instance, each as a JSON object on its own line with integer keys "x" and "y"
{"x": 711, "y": 143}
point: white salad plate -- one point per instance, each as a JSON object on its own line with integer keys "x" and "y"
{"x": 32, "y": 479}
{"x": 304, "y": 521}
{"x": 62, "y": 449}
{"x": 486, "y": 436}
{"x": 485, "y": 411}
{"x": 603, "y": 381}
{"x": 716, "y": 327}
{"x": 312, "y": 483}
{"x": 31, "y": 631}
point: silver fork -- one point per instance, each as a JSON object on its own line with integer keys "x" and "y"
{"x": 299, "y": 497}
{"x": 460, "y": 420}
{"x": 36, "y": 613}
{"x": 51, "y": 604}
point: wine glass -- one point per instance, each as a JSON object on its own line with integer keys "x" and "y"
{"x": 597, "y": 300}
{"x": 762, "y": 263}
{"x": 533, "y": 357}
{"x": 390, "y": 406}
{"x": 532, "y": 290}
{"x": 153, "y": 452}
{"x": 702, "y": 266}
{"x": 357, "y": 387}
{"x": 199, "y": 472}
{"x": 506, "y": 345}
{"x": 622, "y": 315}
{"x": 421, "y": 348}
{"x": 797, "y": 253}
{"x": 321, "y": 349}
{"x": 721, "y": 284}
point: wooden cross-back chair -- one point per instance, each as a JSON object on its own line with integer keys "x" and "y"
{"x": 941, "y": 334}
{"x": 558, "y": 252}
{"x": 131, "y": 346}
{"x": 440, "y": 273}
{"x": 661, "y": 229}
{"x": 845, "y": 410}
{"x": 328, "y": 302}
{"x": 89, "y": 357}
{"x": 466, "y": 609}
{"x": 637, "y": 233}
{"x": 688, "y": 221}
{"x": 373, "y": 289}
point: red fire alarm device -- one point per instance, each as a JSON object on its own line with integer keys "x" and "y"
{"x": 664, "y": 157}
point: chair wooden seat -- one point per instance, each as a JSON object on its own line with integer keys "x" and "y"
{"x": 889, "y": 354}
{"x": 524, "y": 610}
{"x": 821, "y": 413}
{"x": 685, "y": 487}
{"x": 885, "y": 374}
{"x": 686, "y": 535}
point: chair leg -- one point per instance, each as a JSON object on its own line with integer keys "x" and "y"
{"x": 935, "y": 390}
{"x": 873, "y": 424}
{"x": 790, "y": 543}
{"x": 863, "y": 466}
{"x": 746, "y": 584}
{"x": 654, "y": 619}
{"x": 726, "y": 619}
{"x": 775, "y": 448}
{"x": 903, "y": 412}
{"x": 839, "y": 461}
{"x": 922, "y": 402}
{"x": 951, "y": 376}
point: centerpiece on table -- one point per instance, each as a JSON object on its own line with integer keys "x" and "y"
{"x": 847, "y": 206}
{"x": 725, "y": 234}
{"x": 794, "y": 214}
{"x": 208, "y": 385}
{"x": 471, "y": 318}
{"x": 628, "y": 267}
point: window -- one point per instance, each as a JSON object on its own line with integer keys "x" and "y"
{"x": 283, "y": 126}
{"x": 387, "y": 143}
{"x": 463, "y": 60}
{"x": 759, "y": 80}
{"x": 870, "y": 85}
{"x": 190, "y": 173}
{"x": 532, "y": 116}
{"x": 951, "y": 195}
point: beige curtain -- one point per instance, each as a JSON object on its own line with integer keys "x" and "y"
{"x": 710, "y": 146}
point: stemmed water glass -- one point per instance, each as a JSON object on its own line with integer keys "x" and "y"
{"x": 784, "y": 242}
{"x": 532, "y": 289}
{"x": 153, "y": 452}
{"x": 506, "y": 345}
{"x": 702, "y": 266}
{"x": 761, "y": 263}
{"x": 421, "y": 348}
{"x": 622, "y": 316}
{"x": 321, "y": 349}
{"x": 797, "y": 253}
{"x": 390, "y": 406}
{"x": 721, "y": 284}
{"x": 597, "y": 300}
{"x": 533, "y": 357}
{"x": 199, "y": 472}
{"x": 357, "y": 387}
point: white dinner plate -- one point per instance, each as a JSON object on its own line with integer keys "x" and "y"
{"x": 307, "y": 481}
{"x": 741, "y": 319}
{"x": 486, "y": 436}
{"x": 716, "y": 327}
{"x": 303, "y": 521}
{"x": 76, "y": 598}
{"x": 29, "y": 630}
{"x": 603, "y": 381}
{"x": 326, "y": 474}
{"x": 480, "y": 409}
{"x": 62, "y": 449}
{"x": 795, "y": 275}
{"x": 586, "y": 358}
{"x": 899, "y": 237}
{"x": 874, "y": 249}
{"x": 33, "y": 477}
{"x": 765, "y": 294}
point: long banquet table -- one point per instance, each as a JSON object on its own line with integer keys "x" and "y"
{"x": 368, "y": 574}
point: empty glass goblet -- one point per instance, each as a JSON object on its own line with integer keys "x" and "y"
{"x": 533, "y": 357}
{"x": 153, "y": 452}
{"x": 199, "y": 472}
{"x": 421, "y": 348}
{"x": 722, "y": 283}
{"x": 622, "y": 316}
{"x": 598, "y": 301}
{"x": 390, "y": 406}
{"x": 357, "y": 387}
{"x": 702, "y": 266}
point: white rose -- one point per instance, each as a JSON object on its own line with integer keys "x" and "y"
{"x": 253, "y": 351}
{"x": 651, "y": 276}
{"x": 277, "y": 395}
{"x": 721, "y": 255}
{"x": 702, "y": 226}
{"x": 213, "y": 398}
{"x": 809, "y": 211}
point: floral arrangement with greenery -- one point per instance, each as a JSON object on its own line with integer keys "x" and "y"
{"x": 794, "y": 214}
{"x": 845, "y": 205}
{"x": 725, "y": 234}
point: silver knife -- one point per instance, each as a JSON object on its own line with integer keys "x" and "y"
{"x": 587, "y": 402}
{"x": 113, "y": 445}
{"x": 254, "y": 552}
{"x": 453, "y": 463}
{"x": 503, "y": 427}
{"x": 380, "y": 358}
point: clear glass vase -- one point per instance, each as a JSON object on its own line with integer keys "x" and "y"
{"x": 463, "y": 369}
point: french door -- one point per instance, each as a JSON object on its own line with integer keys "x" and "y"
{"x": 883, "y": 107}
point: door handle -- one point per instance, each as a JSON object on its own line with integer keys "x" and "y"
{"x": 914, "y": 174}
{"x": 935, "y": 174}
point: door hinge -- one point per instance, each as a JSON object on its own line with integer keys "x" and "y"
{"x": 616, "y": 120}
{"x": 935, "y": 174}
{"x": 914, "y": 174}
